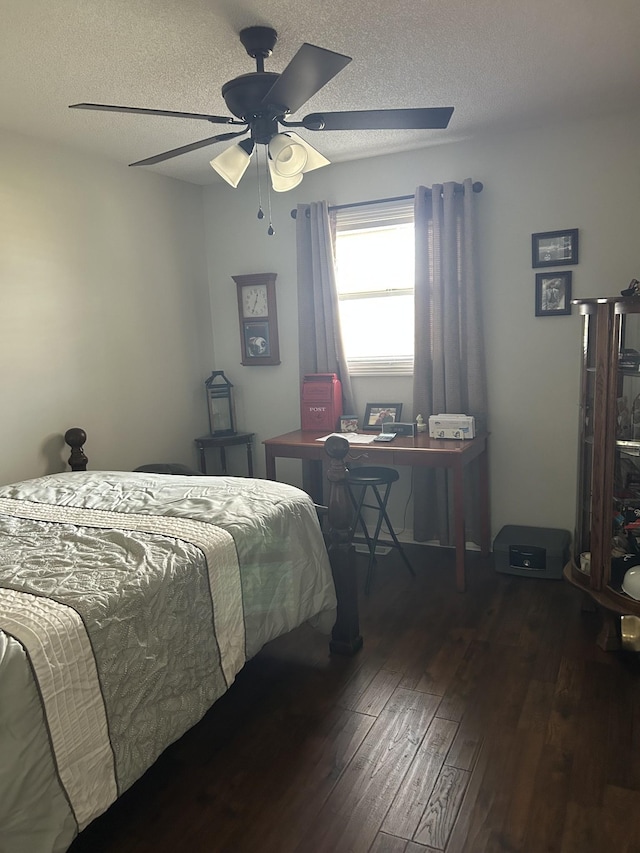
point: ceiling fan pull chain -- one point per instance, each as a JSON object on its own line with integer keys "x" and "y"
{"x": 260, "y": 210}
{"x": 270, "y": 229}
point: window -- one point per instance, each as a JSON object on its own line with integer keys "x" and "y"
{"x": 375, "y": 278}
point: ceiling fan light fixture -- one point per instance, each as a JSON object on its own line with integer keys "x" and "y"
{"x": 280, "y": 184}
{"x": 233, "y": 162}
{"x": 288, "y": 156}
{"x": 315, "y": 160}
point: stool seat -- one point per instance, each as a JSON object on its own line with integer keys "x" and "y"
{"x": 376, "y": 478}
{"x": 168, "y": 468}
{"x": 372, "y": 475}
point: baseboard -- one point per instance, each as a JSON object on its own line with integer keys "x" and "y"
{"x": 407, "y": 539}
{"x": 381, "y": 550}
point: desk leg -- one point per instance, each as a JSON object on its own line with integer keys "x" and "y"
{"x": 223, "y": 461}
{"x": 459, "y": 534}
{"x": 485, "y": 506}
{"x": 270, "y": 463}
{"x": 249, "y": 459}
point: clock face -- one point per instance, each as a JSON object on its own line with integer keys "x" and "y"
{"x": 254, "y": 301}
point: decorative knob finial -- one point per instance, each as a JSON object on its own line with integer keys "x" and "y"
{"x": 75, "y": 438}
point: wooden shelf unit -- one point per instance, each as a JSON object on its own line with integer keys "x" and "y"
{"x": 608, "y": 458}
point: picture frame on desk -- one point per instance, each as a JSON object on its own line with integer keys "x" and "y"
{"x": 377, "y": 414}
{"x": 348, "y": 423}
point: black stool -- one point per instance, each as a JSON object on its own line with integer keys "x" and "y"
{"x": 374, "y": 478}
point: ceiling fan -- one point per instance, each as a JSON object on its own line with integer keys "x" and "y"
{"x": 261, "y": 101}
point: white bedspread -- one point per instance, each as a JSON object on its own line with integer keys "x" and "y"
{"x": 137, "y": 598}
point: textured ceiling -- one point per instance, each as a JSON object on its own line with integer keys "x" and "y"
{"x": 500, "y": 63}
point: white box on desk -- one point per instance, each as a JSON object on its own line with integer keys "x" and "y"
{"x": 452, "y": 426}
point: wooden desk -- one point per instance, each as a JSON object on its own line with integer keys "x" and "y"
{"x": 222, "y": 441}
{"x": 420, "y": 451}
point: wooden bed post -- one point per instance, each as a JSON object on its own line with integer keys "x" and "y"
{"x": 345, "y": 637}
{"x": 75, "y": 438}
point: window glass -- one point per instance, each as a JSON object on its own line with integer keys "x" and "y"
{"x": 374, "y": 276}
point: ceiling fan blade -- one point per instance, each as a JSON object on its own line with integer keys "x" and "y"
{"x": 310, "y": 69}
{"x": 427, "y": 118}
{"x": 142, "y": 111}
{"x": 184, "y": 149}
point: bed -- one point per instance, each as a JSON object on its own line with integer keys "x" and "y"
{"x": 128, "y": 604}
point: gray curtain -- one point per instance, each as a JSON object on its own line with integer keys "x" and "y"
{"x": 320, "y": 340}
{"x": 449, "y": 367}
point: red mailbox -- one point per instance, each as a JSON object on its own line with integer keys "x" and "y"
{"x": 321, "y": 401}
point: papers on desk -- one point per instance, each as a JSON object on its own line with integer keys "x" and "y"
{"x": 352, "y": 437}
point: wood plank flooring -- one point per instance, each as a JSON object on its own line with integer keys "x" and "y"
{"x": 470, "y": 723}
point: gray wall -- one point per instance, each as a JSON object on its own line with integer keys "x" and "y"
{"x": 104, "y": 311}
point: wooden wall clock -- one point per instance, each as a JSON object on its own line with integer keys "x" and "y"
{"x": 258, "y": 318}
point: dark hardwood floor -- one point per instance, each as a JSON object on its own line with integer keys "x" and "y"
{"x": 485, "y": 721}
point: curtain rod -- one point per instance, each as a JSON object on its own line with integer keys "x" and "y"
{"x": 477, "y": 188}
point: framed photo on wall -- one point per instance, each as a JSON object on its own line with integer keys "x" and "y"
{"x": 377, "y": 414}
{"x": 553, "y": 294}
{"x": 554, "y": 248}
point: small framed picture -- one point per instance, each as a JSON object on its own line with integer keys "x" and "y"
{"x": 256, "y": 342}
{"x": 554, "y": 248}
{"x": 377, "y": 414}
{"x": 553, "y": 294}
{"x": 348, "y": 423}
